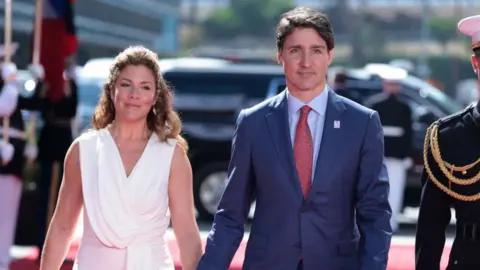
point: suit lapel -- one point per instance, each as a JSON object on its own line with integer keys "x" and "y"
{"x": 277, "y": 121}
{"x": 330, "y": 145}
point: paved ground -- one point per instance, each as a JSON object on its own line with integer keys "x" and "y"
{"x": 401, "y": 253}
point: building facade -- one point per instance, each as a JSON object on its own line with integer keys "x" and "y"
{"x": 104, "y": 27}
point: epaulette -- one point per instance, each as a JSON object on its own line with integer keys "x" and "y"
{"x": 447, "y": 170}
{"x": 453, "y": 117}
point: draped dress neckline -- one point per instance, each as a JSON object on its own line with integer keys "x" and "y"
{"x": 118, "y": 156}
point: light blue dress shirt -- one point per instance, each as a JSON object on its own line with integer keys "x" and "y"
{"x": 316, "y": 120}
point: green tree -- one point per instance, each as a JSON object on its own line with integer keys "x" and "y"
{"x": 221, "y": 23}
{"x": 443, "y": 29}
{"x": 246, "y": 18}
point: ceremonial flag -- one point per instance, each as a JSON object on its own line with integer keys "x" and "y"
{"x": 58, "y": 41}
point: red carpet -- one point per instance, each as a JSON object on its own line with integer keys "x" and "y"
{"x": 401, "y": 258}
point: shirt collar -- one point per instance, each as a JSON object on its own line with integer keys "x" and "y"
{"x": 318, "y": 104}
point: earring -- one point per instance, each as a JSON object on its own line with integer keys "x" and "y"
{"x": 153, "y": 110}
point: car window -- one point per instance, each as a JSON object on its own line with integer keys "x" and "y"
{"x": 434, "y": 95}
{"x": 444, "y": 102}
{"x": 361, "y": 95}
{"x": 216, "y": 97}
{"x": 248, "y": 85}
{"x": 422, "y": 113}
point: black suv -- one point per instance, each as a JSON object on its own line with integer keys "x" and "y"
{"x": 209, "y": 98}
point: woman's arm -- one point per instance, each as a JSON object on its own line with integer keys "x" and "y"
{"x": 65, "y": 218}
{"x": 185, "y": 227}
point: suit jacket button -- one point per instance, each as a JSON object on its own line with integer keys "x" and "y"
{"x": 304, "y": 209}
{"x": 296, "y": 245}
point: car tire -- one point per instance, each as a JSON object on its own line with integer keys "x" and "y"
{"x": 206, "y": 178}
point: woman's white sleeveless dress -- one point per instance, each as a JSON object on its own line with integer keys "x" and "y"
{"x": 125, "y": 218}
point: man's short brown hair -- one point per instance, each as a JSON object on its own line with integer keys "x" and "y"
{"x": 302, "y": 17}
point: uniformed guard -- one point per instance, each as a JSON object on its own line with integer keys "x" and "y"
{"x": 14, "y": 153}
{"x": 54, "y": 141}
{"x": 396, "y": 117}
{"x": 451, "y": 179}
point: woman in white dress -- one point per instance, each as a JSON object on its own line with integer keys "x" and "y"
{"x": 130, "y": 174}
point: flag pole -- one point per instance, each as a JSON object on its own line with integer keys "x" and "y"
{"x": 37, "y": 32}
{"x": 8, "y": 57}
{"x": 8, "y": 30}
{"x": 37, "y": 37}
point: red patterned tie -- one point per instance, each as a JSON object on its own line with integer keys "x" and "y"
{"x": 303, "y": 151}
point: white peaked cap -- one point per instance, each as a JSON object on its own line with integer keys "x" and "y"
{"x": 387, "y": 72}
{"x": 470, "y": 26}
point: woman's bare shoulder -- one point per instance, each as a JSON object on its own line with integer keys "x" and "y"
{"x": 180, "y": 159}
{"x": 72, "y": 158}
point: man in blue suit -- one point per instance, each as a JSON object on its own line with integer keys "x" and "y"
{"x": 313, "y": 161}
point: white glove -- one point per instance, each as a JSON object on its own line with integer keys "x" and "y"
{"x": 70, "y": 72}
{"x": 37, "y": 71}
{"x": 6, "y": 151}
{"x": 9, "y": 72}
{"x": 31, "y": 152}
{"x": 408, "y": 163}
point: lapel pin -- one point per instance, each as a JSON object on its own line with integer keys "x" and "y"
{"x": 336, "y": 124}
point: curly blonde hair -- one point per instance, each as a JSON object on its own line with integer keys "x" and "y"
{"x": 165, "y": 122}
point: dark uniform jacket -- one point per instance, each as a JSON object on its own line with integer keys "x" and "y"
{"x": 56, "y": 134}
{"x": 395, "y": 115}
{"x": 451, "y": 154}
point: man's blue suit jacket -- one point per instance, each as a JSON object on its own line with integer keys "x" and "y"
{"x": 344, "y": 222}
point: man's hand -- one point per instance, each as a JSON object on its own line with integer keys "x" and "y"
{"x": 9, "y": 72}
{"x": 37, "y": 71}
{"x": 6, "y": 152}
{"x": 31, "y": 152}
